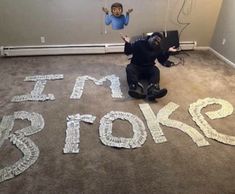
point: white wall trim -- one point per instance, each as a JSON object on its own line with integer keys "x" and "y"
{"x": 222, "y": 57}
{"x": 205, "y": 48}
{"x": 61, "y": 49}
{"x": 1, "y": 51}
{"x": 34, "y": 50}
{"x": 216, "y": 53}
{"x": 87, "y": 49}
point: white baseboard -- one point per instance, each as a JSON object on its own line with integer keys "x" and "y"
{"x": 61, "y": 49}
{"x": 222, "y": 57}
{"x": 73, "y": 49}
{"x": 188, "y": 45}
{"x": 89, "y": 49}
{"x": 204, "y": 48}
{"x": 216, "y": 53}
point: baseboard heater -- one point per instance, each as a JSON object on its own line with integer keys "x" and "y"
{"x": 73, "y": 49}
{"x": 61, "y": 49}
{"x": 188, "y": 45}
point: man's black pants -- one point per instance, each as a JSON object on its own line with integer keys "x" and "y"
{"x": 136, "y": 73}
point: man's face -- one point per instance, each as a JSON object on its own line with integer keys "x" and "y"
{"x": 117, "y": 11}
{"x": 155, "y": 42}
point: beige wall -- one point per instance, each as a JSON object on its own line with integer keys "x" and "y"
{"x": 204, "y": 19}
{"x": 82, "y": 21}
{"x": 225, "y": 29}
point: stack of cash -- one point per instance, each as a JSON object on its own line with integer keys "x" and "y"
{"x": 36, "y": 93}
{"x": 226, "y": 110}
{"x": 72, "y": 139}
{"x": 25, "y": 145}
{"x": 105, "y": 131}
{"x": 80, "y": 82}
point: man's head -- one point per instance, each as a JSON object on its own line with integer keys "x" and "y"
{"x": 116, "y": 9}
{"x": 155, "y": 40}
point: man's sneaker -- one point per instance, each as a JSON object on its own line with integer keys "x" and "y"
{"x": 136, "y": 91}
{"x": 168, "y": 63}
{"x": 153, "y": 92}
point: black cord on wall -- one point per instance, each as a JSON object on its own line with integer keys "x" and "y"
{"x": 181, "y": 11}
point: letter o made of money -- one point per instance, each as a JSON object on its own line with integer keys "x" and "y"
{"x": 105, "y": 130}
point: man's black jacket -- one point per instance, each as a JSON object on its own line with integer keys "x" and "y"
{"x": 143, "y": 54}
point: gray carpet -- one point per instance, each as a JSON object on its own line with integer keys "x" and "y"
{"x": 177, "y": 166}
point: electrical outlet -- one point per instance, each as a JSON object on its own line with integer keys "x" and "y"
{"x": 43, "y": 40}
{"x": 223, "y": 41}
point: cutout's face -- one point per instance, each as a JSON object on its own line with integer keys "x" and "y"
{"x": 117, "y": 11}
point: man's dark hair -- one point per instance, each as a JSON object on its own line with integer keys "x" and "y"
{"x": 116, "y": 5}
{"x": 158, "y": 34}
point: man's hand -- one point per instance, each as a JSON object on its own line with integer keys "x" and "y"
{"x": 105, "y": 10}
{"x": 125, "y": 38}
{"x": 173, "y": 49}
{"x": 129, "y": 11}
